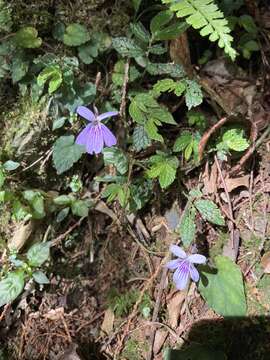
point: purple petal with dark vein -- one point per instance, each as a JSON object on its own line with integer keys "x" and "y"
{"x": 197, "y": 259}
{"x": 95, "y": 141}
{"x": 194, "y": 274}
{"x": 173, "y": 264}
{"x": 180, "y": 279}
{"x": 177, "y": 251}
{"x": 107, "y": 114}
{"x": 85, "y": 113}
{"x": 108, "y": 137}
{"x": 83, "y": 136}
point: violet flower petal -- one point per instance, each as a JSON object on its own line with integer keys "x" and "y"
{"x": 83, "y": 136}
{"x": 177, "y": 251}
{"x": 173, "y": 264}
{"x": 95, "y": 141}
{"x": 194, "y": 274}
{"x": 107, "y": 114}
{"x": 108, "y": 137}
{"x": 197, "y": 259}
{"x": 85, "y": 113}
{"x": 180, "y": 278}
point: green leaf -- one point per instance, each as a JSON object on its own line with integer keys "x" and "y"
{"x": 173, "y": 70}
{"x": 11, "y": 165}
{"x": 81, "y": 207}
{"x": 171, "y": 32}
{"x": 36, "y": 200}
{"x": 11, "y": 287}
{"x": 209, "y": 211}
{"x": 58, "y": 123}
{"x": 193, "y": 95}
{"x": 152, "y": 130}
{"x": 160, "y": 20}
{"x": 111, "y": 192}
{"x": 223, "y": 289}
{"x": 38, "y": 254}
{"x": 127, "y": 47}
{"x": 19, "y": 68}
{"x": 136, "y": 4}
{"x": 248, "y": 24}
{"x": 187, "y": 227}
{"x": 63, "y": 200}
{"x": 188, "y": 151}
{"x": 53, "y": 74}
{"x": 40, "y": 277}
{"x": 114, "y": 156}
{"x": 119, "y": 73}
{"x": 62, "y": 214}
{"x": 27, "y": 37}
{"x": 234, "y": 139}
{"x": 66, "y": 153}
{"x": 140, "y": 32}
{"x": 88, "y": 52}
{"x": 76, "y": 35}
{"x": 164, "y": 168}
{"x": 140, "y": 138}
{"x": 182, "y": 141}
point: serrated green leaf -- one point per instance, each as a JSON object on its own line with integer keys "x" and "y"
{"x": 36, "y": 201}
{"x": 152, "y": 130}
{"x": 40, "y": 277}
{"x": 223, "y": 289}
{"x": 160, "y": 20}
{"x": 171, "y": 32}
{"x": 193, "y": 94}
{"x": 27, "y": 37}
{"x": 19, "y": 68}
{"x": 38, "y": 254}
{"x": 164, "y": 168}
{"x": 119, "y": 73}
{"x": 114, "y": 156}
{"x": 127, "y": 47}
{"x": 167, "y": 176}
{"x": 187, "y": 227}
{"x": 188, "y": 150}
{"x": 209, "y": 211}
{"x": 11, "y": 287}
{"x": 76, "y": 35}
{"x": 174, "y": 70}
{"x": 53, "y": 74}
{"x": 140, "y": 138}
{"x": 182, "y": 141}
{"x": 66, "y": 153}
{"x": 234, "y": 139}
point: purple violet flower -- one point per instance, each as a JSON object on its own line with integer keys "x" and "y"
{"x": 183, "y": 266}
{"x": 95, "y": 134}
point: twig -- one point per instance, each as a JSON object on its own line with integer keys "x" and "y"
{"x": 5, "y": 310}
{"x": 61, "y": 237}
{"x": 207, "y": 135}
{"x": 156, "y": 310}
{"x": 229, "y": 201}
{"x": 124, "y": 92}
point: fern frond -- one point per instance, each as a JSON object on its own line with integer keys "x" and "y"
{"x": 205, "y": 15}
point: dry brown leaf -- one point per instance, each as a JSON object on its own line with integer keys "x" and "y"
{"x": 160, "y": 338}
{"x": 174, "y": 308}
{"x": 55, "y": 314}
{"x": 265, "y": 262}
{"x": 21, "y": 235}
{"x": 233, "y": 183}
{"x": 210, "y": 181}
{"x": 108, "y": 321}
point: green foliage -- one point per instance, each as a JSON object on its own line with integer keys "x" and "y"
{"x": 114, "y": 156}
{"x": 66, "y": 153}
{"x": 187, "y": 143}
{"x": 36, "y": 201}
{"x": 38, "y": 254}
{"x": 5, "y": 17}
{"x": 223, "y": 288}
{"x": 234, "y": 140}
{"x": 191, "y": 89}
{"x": 75, "y": 35}
{"x": 140, "y": 138}
{"x": 187, "y": 227}
{"x": 27, "y": 37}
{"x": 163, "y": 167}
{"x": 127, "y": 47}
{"x": 122, "y": 303}
{"x": 98, "y": 43}
{"x": 146, "y": 111}
{"x": 209, "y": 211}
{"x": 11, "y": 287}
{"x": 53, "y": 74}
{"x": 119, "y": 73}
{"x": 40, "y": 277}
{"x": 194, "y": 352}
{"x": 206, "y": 16}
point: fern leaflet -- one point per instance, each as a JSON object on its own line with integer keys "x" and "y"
{"x": 205, "y": 15}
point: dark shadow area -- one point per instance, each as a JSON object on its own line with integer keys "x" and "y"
{"x": 240, "y": 338}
